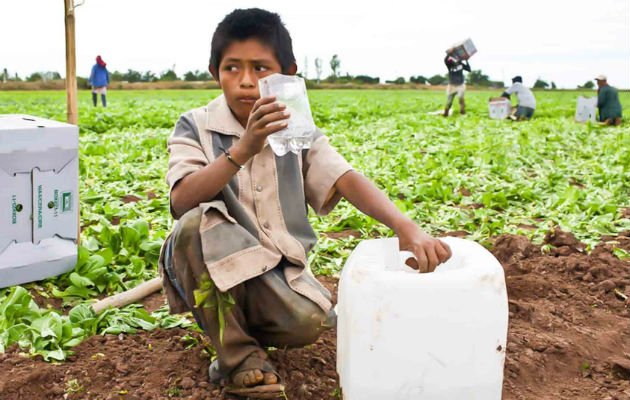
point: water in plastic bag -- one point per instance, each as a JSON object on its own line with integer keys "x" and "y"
{"x": 290, "y": 90}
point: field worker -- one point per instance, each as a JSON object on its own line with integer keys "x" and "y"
{"x": 608, "y": 102}
{"x": 242, "y": 222}
{"x": 99, "y": 79}
{"x": 456, "y": 85}
{"x": 526, "y": 101}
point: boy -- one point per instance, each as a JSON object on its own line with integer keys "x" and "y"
{"x": 456, "y": 84}
{"x": 243, "y": 226}
{"x": 526, "y": 101}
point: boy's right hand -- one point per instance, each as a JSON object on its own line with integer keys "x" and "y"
{"x": 261, "y": 124}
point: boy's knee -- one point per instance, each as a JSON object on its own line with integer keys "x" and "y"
{"x": 308, "y": 325}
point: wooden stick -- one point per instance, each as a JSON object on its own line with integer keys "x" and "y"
{"x": 130, "y": 296}
{"x": 71, "y": 71}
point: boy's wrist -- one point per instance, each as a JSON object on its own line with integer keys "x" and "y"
{"x": 401, "y": 224}
{"x": 239, "y": 154}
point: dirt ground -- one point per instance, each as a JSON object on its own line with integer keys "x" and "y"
{"x": 569, "y": 338}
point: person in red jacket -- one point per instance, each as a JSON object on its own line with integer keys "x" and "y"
{"x": 99, "y": 79}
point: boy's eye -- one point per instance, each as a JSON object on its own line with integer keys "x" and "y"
{"x": 230, "y": 68}
{"x": 261, "y": 68}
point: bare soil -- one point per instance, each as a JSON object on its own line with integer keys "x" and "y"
{"x": 569, "y": 338}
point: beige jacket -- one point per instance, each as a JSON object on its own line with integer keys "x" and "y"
{"x": 261, "y": 215}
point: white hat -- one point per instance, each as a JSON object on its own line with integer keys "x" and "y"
{"x": 601, "y": 77}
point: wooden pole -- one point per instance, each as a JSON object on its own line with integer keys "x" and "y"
{"x": 130, "y": 296}
{"x": 71, "y": 72}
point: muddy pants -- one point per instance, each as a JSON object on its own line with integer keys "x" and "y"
{"x": 267, "y": 311}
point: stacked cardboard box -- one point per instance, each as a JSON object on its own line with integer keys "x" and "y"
{"x": 463, "y": 50}
{"x": 39, "y": 202}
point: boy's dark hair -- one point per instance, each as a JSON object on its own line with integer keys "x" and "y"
{"x": 517, "y": 78}
{"x": 253, "y": 23}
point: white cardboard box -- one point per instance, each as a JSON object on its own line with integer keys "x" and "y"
{"x": 38, "y": 198}
{"x": 499, "y": 108}
{"x": 463, "y": 50}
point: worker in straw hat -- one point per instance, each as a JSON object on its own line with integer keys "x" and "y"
{"x": 607, "y": 102}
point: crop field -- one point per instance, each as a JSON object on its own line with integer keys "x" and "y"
{"x": 541, "y": 195}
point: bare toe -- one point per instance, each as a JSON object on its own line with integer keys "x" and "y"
{"x": 250, "y": 378}
{"x": 270, "y": 378}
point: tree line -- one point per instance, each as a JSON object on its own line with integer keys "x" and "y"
{"x": 474, "y": 78}
{"x": 116, "y": 76}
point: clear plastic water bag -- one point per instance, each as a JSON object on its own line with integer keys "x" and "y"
{"x": 290, "y": 90}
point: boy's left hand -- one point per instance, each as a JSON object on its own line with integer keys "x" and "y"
{"x": 429, "y": 251}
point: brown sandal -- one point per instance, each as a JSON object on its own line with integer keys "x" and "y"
{"x": 260, "y": 391}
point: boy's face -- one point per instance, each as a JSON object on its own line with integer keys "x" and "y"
{"x": 242, "y": 65}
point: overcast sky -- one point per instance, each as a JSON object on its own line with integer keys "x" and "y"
{"x": 565, "y": 41}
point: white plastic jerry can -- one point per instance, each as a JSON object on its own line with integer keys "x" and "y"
{"x": 404, "y": 335}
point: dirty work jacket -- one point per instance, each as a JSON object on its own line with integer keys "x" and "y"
{"x": 261, "y": 215}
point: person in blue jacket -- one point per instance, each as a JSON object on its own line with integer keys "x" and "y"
{"x": 99, "y": 79}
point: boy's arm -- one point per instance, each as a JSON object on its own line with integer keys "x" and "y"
{"x": 204, "y": 184}
{"x": 366, "y": 197}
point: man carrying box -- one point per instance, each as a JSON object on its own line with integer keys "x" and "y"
{"x": 456, "y": 85}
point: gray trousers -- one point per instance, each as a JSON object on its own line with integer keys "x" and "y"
{"x": 524, "y": 112}
{"x": 267, "y": 311}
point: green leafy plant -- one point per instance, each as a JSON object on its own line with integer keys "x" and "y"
{"x": 47, "y": 333}
{"x": 468, "y": 173}
{"x": 209, "y": 296}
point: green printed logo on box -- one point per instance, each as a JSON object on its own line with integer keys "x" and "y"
{"x": 39, "y": 206}
{"x": 14, "y": 206}
{"x": 66, "y": 201}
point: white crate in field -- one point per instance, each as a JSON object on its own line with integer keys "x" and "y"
{"x": 499, "y": 108}
{"x": 585, "y": 110}
{"x": 39, "y": 200}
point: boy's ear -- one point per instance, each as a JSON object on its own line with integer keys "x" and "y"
{"x": 292, "y": 69}
{"x": 214, "y": 73}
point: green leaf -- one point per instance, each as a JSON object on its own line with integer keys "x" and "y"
{"x": 90, "y": 244}
{"x": 81, "y": 313}
{"x": 80, "y": 281}
{"x": 620, "y": 253}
